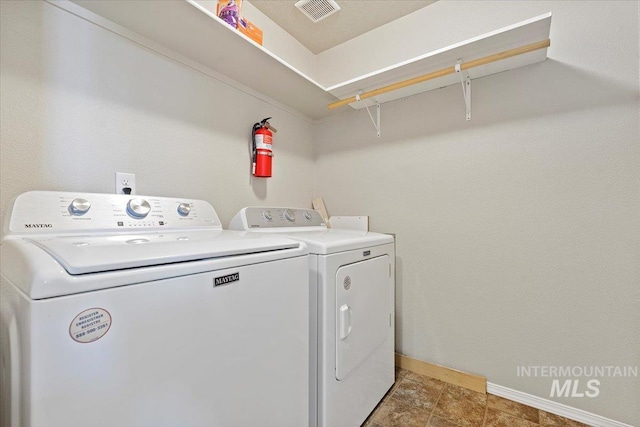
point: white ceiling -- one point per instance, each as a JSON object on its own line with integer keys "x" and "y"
{"x": 354, "y": 18}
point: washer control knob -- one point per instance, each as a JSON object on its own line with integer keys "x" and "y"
{"x": 267, "y": 215}
{"x": 184, "y": 209}
{"x": 307, "y": 216}
{"x": 138, "y": 208}
{"x": 290, "y": 215}
{"x": 79, "y": 206}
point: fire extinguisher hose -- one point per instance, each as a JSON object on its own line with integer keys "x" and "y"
{"x": 253, "y": 146}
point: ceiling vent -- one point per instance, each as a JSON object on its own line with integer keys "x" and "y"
{"x": 317, "y": 10}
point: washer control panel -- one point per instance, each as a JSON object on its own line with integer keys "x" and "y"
{"x": 261, "y": 217}
{"x": 54, "y": 212}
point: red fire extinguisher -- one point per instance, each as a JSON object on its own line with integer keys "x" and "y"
{"x": 262, "y": 151}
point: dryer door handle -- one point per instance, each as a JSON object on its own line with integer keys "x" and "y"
{"x": 345, "y": 321}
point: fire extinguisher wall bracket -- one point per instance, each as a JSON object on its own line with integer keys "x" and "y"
{"x": 262, "y": 151}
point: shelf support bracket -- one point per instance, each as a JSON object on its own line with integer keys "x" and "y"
{"x": 376, "y": 123}
{"x": 466, "y": 88}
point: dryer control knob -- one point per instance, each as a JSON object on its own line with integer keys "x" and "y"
{"x": 138, "y": 208}
{"x": 79, "y": 206}
{"x": 307, "y": 216}
{"x": 267, "y": 215}
{"x": 290, "y": 215}
{"x": 184, "y": 209}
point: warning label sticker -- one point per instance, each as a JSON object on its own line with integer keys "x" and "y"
{"x": 264, "y": 142}
{"x": 90, "y": 325}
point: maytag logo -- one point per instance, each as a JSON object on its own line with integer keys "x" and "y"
{"x": 38, "y": 226}
{"x": 225, "y": 280}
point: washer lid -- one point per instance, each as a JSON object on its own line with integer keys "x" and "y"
{"x": 93, "y": 254}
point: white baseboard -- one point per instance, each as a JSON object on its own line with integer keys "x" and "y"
{"x": 553, "y": 407}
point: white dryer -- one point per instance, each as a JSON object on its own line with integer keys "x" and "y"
{"x": 352, "y": 311}
{"x": 142, "y": 312}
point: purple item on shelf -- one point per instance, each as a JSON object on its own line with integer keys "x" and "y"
{"x": 229, "y": 14}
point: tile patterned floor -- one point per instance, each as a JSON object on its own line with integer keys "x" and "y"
{"x": 418, "y": 401}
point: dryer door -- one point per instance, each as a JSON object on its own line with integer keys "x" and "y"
{"x": 363, "y": 299}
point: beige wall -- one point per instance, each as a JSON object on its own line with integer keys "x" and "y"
{"x": 518, "y": 234}
{"x": 80, "y": 103}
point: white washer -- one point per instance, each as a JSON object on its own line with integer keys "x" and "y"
{"x": 352, "y": 311}
{"x": 142, "y": 312}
